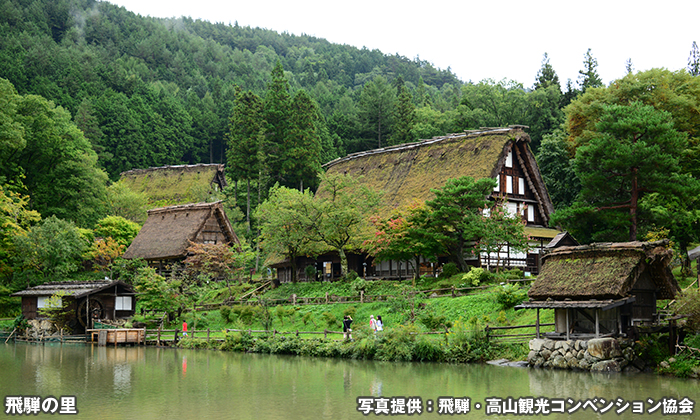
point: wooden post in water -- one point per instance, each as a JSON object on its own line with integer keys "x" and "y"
{"x": 208, "y": 335}
{"x": 158, "y": 339}
{"x": 175, "y": 339}
{"x": 597, "y": 324}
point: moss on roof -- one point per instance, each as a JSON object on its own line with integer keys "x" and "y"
{"x": 171, "y": 185}
{"x": 603, "y": 271}
{"x": 408, "y": 172}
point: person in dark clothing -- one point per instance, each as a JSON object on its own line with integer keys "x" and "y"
{"x": 347, "y": 331}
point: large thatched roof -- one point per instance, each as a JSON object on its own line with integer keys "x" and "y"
{"x": 168, "y": 231}
{"x": 604, "y": 271}
{"x": 181, "y": 184}
{"x": 76, "y": 289}
{"x": 408, "y": 172}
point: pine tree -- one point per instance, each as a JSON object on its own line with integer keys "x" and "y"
{"x": 588, "y": 77}
{"x": 245, "y": 142}
{"x": 301, "y": 161}
{"x": 276, "y": 115}
{"x": 694, "y": 60}
{"x": 404, "y": 117}
{"x": 546, "y": 76}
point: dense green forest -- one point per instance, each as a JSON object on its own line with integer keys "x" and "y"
{"x": 89, "y": 90}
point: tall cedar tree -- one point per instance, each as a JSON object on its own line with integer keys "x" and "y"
{"x": 376, "y": 107}
{"x": 245, "y": 142}
{"x": 588, "y": 77}
{"x": 302, "y": 146}
{"x": 277, "y": 105}
{"x": 694, "y": 60}
{"x": 404, "y": 117}
{"x": 546, "y": 76}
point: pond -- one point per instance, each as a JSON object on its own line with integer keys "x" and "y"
{"x": 162, "y": 383}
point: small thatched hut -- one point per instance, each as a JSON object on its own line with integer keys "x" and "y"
{"x": 603, "y": 288}
{"x": 181, "y": 184}
{"x": 164, "y": 238}
{"x": 89, "y": 300}
{"x": 407, "y": 172}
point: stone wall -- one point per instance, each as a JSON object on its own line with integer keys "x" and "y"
{"x": 596, "y": 355}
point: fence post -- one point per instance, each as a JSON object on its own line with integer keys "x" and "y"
{"x": 362, "y": 296}
{"x": 207, "y": 335}
{"x": 488, "y": 332}
{"x": 176, "y": 331}
{"x": 453, "y": 290}
{"x": 325, "y": 334}
{"x": 326, "y": 298}
{"x": 158, "y": 339}
{"x": 294, "y": 298}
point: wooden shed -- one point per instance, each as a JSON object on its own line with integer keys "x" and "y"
{"x": 603, "y": 288}
{"x": 164, "y": 238}
{"x": 89, "y": 300}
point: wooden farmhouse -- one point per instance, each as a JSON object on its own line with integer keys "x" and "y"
{"x": 164, "y": 238}
{"x": 407, "y": 172}
{"x": 181, "y": 184}
{"x": 603, "y": 289}
{"x": 89, "y": 300}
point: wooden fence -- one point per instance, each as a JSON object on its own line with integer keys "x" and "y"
{"x": 514, "y": 338}
{"x": 361, "y": 298}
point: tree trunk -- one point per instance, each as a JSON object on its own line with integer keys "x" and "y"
{"x": 247, "y": 212}
{"x": 343, "y": 262}
{"x": 633, "y": 206}
{"x": 293, "y": 260}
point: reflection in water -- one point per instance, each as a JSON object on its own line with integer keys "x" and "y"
{"x": 167, "y": 383}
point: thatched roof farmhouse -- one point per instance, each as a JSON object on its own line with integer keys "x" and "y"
{"x": 168, "y": 231}
{"x": 603, "y": 288}
{"x": 408, "y": 172}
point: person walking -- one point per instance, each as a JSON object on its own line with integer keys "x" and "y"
{"x": 347, "y": 331}
{"x": 372, "y": 324}
{"x": 379, "y": 323}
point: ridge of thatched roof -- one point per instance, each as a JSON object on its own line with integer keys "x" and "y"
{"x": 407, "y": 172}
{"x": 603, "y": 271}
{"x": 176, "y": 184}
{"x": 76, "y": 289}
{"x": 168, "y": 230}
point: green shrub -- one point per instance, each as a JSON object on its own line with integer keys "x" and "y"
{"x": 434, "y": 322}
{"x": 476, "y": 276}
{"x": 449, "y": 270}
{"x": 428, "y": 350}
{"x": 350, "y": 311}
{"x": 308, "y": 317}
{"x": 397, "y": 344}
{"x": 510, "y": 295}
{"x": 688, "y": 304}
{"x": 359, "y": 285}
{"x": 310, "y": 271}
{"x": 330, "y": 319}
{"x": 225, "y": 312}
{"x": 237, "y": 341}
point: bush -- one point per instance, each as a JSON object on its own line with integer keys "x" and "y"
{"x": 398, "y": 343}
{"x": 476, "y": 276}
{"x": 688, "y": 303}
{"x": 225, "y": 312}
{"x": 359, "y": 285}
{"x": 428, "y": 350}
{"x": 434, "y": 322}
{"x": 330, "y": 319}
{"x": 237, "y": 341}
{"x": 350, "y": 311}
{"x": 510, "y": 295}
{"x": 449, "y": 270}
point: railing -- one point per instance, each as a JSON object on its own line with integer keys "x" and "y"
{"x": 361, "y": 298}
{"x": 515, "y": 337}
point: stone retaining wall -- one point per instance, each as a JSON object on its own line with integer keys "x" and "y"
{"x": 596, "y": 355}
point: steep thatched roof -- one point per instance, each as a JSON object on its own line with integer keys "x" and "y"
{"x": 604, "y": 271}
{"x": 408, "y": 172}
{"x": 168, "y": 231}
{"x": 179, "y": 184}
{"x": 76, "y": 289}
